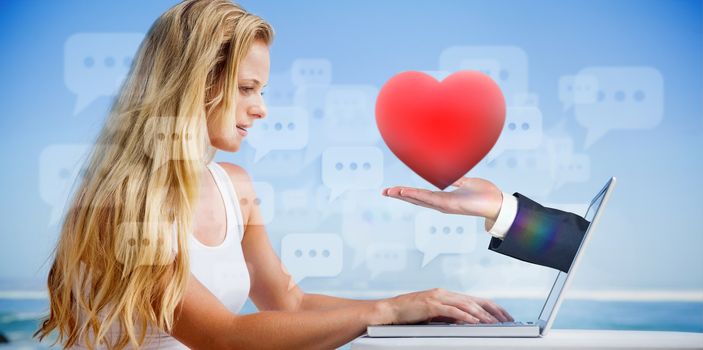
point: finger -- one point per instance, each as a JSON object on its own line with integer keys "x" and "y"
{"x": 494, "y": 310}
{"x": 507, "y": 315}
{"x": 443, "y": 310}
{"x": 500, "y": 309}
{"x": 412, "y": 201}
{"x": 431, "y": 198}
{"x": 465, "y": 303}
{"x": 395, "y": 190}
{"x": 460, "y": 182}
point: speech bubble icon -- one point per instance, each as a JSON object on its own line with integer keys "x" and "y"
{"x": 95, "y": 64}
{"x": 351, "y": 168}
{"x": 489, "y": 67}
{"x": 522, "y": 131}
{"x": 536, "y": 169}
{"x": 286, "y": 128}
{"x": 277, "y": 164}
{"x": 511, "y": 62}
{"x": 314, "y": 71}
{"x": 60, "y": 167}
{"x": 574, "y": 169}
{"x": 280, "y": 90}
{"x": 577, "y": 89}
{"x": 145, "y": 243}
{"x": 163, "y": 142}
{"x": 347, "y": 117}
{"x": 369, "y": 218}
{"x": 438, "y": 233}
{"x": 382, "y": 258}
{"x": 312, "y": 255}
{"x": 313, "y": 99}
{"x": 627, "y": 98}
{"x": 526, "y": 99}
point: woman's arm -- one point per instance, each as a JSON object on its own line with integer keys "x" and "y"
{"x": 202, "y": 322}
{"x": 272, "y": 287}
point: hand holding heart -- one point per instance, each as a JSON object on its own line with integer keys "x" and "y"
{"x": 473, "y": 196}
{"x": 441, "y": 130}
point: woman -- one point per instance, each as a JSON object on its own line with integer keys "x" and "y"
{"x": 161, "y": 247}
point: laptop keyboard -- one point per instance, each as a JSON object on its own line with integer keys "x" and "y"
{"x": 499, "y": 324}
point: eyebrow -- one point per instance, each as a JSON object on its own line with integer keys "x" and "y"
{"x": 256, "y": 82}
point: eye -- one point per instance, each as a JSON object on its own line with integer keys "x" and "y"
{"x": 246, "y": 89}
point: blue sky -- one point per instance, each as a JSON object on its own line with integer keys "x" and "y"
{"x": 649, "y": 238}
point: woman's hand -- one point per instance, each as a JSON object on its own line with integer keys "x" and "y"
{"x": 439, "y": 304}
{"x": 473, "y": 196}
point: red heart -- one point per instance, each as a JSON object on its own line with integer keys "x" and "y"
{"x": 441, "y": 130}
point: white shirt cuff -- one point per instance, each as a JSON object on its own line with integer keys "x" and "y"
{"x": 506, "y": 216}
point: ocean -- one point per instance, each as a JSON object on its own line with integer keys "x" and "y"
{"x": 19, "y": 318}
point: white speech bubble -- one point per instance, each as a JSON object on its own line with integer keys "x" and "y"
{"x": 348, "y": 118}
{"x": 526, "y": 99}
{"x": 369, "y": 218}
{"x": 523, "y": 170}
{"x": 280, "y": 90}
{"x": 324, "y": 204}
{"x": 496, "y": 272}
{"x": 522, "y": 131}
{"x": 60, "y": 167}
{"x": 489, "y": 67}
{"x": 511, "y": 61}
{"x": 560, "y": 148}
{"x": 351, "y": 168}
{"x": 163, "y": 142}
{"x": 314, "y": 71}
{"x": 285, "y": 128}
{"x": 577, "y": 89}
{"x": 397, "y": 173}
{"x": 312, "y": 255}
{"x": 439, "y": 233}
{"x": 277, "y": 164}
{"x": 145, "y": 243}
{"x": 628, "y": 98}
{"x": 313, "y": 99}
{"x": 382, "y": 258}
{"x": 574, "y": 169}
{"x": 95, "y": 64}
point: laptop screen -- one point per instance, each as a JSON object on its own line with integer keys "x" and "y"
{"x": 548, "y": 307}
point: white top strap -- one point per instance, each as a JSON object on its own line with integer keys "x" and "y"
{"x": 232, "y": 207}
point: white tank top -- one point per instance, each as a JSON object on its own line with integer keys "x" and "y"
{"x": 221, "y": 269}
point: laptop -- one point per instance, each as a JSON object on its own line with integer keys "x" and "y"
{"x": 538, "y": 328}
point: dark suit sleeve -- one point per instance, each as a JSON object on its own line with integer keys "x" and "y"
{"x": 543, "y": 236}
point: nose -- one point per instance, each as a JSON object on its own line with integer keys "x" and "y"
{"x": 258, "y": 110}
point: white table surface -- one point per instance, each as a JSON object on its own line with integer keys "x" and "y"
{"x": 556, "y": 339}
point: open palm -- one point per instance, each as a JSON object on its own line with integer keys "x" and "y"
{"x": 472, "y": 196}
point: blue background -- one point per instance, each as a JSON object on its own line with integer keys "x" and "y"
{"x": 649, "y": 242}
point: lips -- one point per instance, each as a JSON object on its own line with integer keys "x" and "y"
{"x": 242, "y": 130}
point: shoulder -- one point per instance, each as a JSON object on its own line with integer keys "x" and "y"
{"x": 242, "y": 183}
{"x": 235, "y": 172}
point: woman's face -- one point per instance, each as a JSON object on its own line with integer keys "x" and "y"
{"x": 228, "y": 131}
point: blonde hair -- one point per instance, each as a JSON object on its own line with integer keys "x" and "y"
{"x": 114, "y": 261}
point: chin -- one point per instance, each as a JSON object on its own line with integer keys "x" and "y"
{"x": 227, "y": 145}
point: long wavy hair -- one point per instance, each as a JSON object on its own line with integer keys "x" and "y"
{"x": 121, "y": 257}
